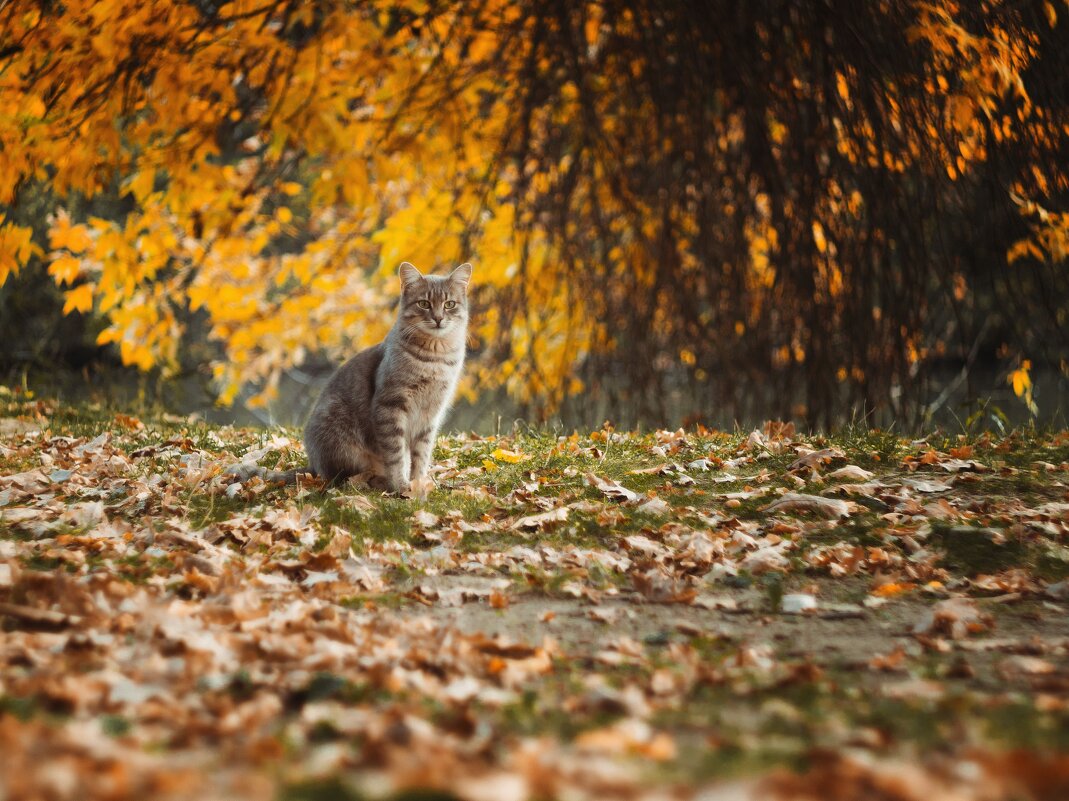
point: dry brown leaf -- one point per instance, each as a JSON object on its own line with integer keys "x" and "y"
{"x": 425, "y": 519}
{"x": 955, "y": 618}
{"x": 815, "y": 459}
{"x": 1023, "y": 666}
{"x": 655, "y": 586}
{"x": 831, "y": 508}
{"x": 542, "y": 519}
{"x": 419, "y": 488}
{"x": 654, "y": 506}
{"x": 851, "y": 472}
{"x": 498, "y": 599}
{"x": 612, "y": 489}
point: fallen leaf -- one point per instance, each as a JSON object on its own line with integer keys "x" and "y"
{"x": 498, "y": 599}
{"x": 955, "y": 618}
{"x": 511, "y": 457}
{"x": 1018, "y": 666}
{"x": 419, "y": 488}
{"x": 815, "y": 459}
{"x": 654, "y": 506}
{"x": 724, "y": 602}
{"x": 851, "y": 473}
{"x": 892, "y": 588}
{"x": 603, "y": 614}
{"x": 916, "y": 690}
{"x": 33, "y": 616}
{"x": 889, "y": 663}
{"x": 542, "y": 519}
{"x": 613, "y": 489}
{"x": 831, "y": 508}
{"x": 425, "y": 519}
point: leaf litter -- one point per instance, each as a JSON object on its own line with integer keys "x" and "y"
{"x": 575, "y": 617}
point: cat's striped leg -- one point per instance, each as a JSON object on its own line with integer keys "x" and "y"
{"x": 392, "y": 447}
{"x": 422, "y": 447}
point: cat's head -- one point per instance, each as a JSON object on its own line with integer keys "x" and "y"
{"x": 433, "y": 304}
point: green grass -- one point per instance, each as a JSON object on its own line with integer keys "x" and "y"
{"x": 730, "y": 721}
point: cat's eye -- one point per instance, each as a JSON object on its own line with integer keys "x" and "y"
{"x": 450, "y": 304}
{"x": 424, "y": 304}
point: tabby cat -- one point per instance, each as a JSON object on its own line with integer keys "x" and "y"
{"x": 380, "y": 412}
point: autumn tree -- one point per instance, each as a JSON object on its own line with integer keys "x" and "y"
{"x": 806, "y": 204}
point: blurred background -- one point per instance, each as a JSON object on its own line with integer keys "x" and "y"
{"x": 679, "y": 213}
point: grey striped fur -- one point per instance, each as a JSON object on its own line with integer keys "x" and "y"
{"x": 381, "y": 411}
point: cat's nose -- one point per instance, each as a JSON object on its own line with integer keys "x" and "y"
{"x": 438, "y": 322}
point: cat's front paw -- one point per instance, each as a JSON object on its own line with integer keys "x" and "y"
{"x": 386, "y": 484}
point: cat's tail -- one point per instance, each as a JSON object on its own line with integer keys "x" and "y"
{"x": 244, "y": 471}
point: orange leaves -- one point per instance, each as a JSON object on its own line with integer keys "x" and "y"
{"x": 16, "y": 247}
{"x": 505, "y": 455}
{"x": 955, "y": 618}
{"x": 1052, "y": 14}
{"x": 142, "y": 183}
{"x": 1050, "y": 233}
{"x": 1021, "y": 381}
{"x": 64, "y": 235}
{"x": 893, "y": 588}
{"x": 272, "y": 181}
{"x": 818, "y": 237}
{"x": 962, "y": 112}
{"x": 65, "y": 269}
{"x": 79, "y": 299}
{"x": 417, "y": 628}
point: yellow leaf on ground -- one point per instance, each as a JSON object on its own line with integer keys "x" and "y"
{"x": 894, "y": 588}
{"x": 512, "y": 457}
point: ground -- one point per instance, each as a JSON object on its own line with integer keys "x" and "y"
{"x": 592, "y": 615}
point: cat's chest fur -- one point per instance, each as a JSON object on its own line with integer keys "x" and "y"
{"x": 427, "y": 370}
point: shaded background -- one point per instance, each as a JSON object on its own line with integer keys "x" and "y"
{"x": 830, "y": 212}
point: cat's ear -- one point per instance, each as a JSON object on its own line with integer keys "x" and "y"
{"x": 461, "y": 275}
{"x": 408, "y": 274}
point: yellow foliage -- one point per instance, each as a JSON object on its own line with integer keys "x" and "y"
{"x": 79, "y": 299}
{"x": 16, "y": 247}
{"x": 65, "y": 269}
{"x": 360, "y": 152}
{"x": 75, "y": 238}
{"x": 1021, "y": 381}
{"x": 818, "y": 237}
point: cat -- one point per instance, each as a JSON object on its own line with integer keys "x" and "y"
{"x": 380, "y": 412}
